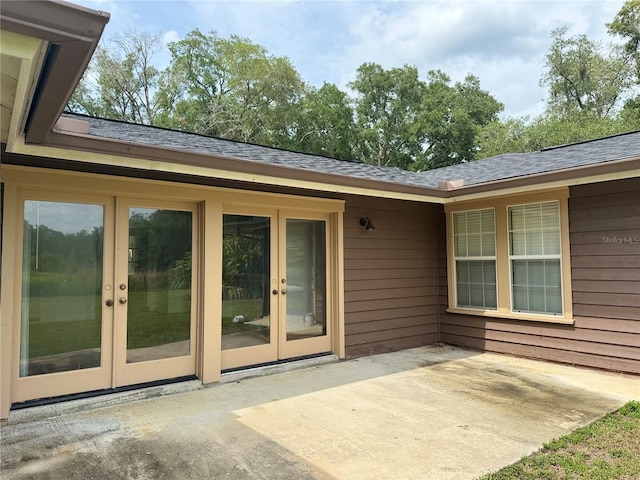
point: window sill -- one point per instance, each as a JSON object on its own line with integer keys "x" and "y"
{"x": 532, "y": 317}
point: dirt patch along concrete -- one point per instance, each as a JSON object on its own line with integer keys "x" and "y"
{"x": 433, "y": 412}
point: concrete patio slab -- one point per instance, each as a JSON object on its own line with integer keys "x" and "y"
{"x": 427, "y": 413}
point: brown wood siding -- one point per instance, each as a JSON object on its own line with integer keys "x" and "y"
{"x": 391, "y": 282}
{"x": 604, "y": 222}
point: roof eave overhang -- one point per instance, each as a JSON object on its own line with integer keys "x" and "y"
{"x": 605, "y": 171}
{"x": 72, "y": 33}
{"x": 90, "y": 149}
{"x": 126, "y": 155}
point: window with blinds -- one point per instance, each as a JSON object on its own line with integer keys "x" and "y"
{"x": 474, "y": 244}
{"x": 535, "y": 258}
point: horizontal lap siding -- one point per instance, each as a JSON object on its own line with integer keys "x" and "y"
{"x": 604, "y": 224}
{"x": 391, "y": 292}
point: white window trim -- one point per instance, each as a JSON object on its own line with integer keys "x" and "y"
{"x": 503, "y": 261}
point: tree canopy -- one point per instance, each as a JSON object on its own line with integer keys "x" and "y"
{"x": 233, "y": 88}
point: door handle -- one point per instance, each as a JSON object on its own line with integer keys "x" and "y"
{"x": 109, "y": 303}
{"x": 275, "y": 291}
{"x": 284, "y": 291}
{"x": 122, "y": 300}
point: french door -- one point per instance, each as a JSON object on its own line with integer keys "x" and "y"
{"x": 152, "y": 295}
{"x": 274, "y": 280}
{"x": 106, "y": 297}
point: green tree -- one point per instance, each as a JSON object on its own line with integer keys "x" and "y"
{"x": 122, "y": 83}
{"x": 626, "y": 24}
{"x": 326, "y": 125}
{"x": 451, "y": 118}
{"x": 388, "y": 106}
{"x": 234, "y": 89}
{"x": 584, "y": 76}
{"x": 521, "y": 135}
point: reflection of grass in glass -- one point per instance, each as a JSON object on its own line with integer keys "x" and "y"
{"x": 250, "y": 308}
{"x": 151, "y": 322}
{"x": 57, "y": 333}
{"x": 63, "y": 324}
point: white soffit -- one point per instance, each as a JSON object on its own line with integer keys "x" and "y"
{"x": 21, "y": 59}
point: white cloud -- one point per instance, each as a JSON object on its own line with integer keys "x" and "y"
{"x": 503, "y": 42}
{"x": 170, "y": 36}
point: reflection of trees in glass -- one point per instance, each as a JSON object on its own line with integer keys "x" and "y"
{"x": 159, "y": 243}
{"x": 243, "y": 265}
{"x": 181, "y": 273}
{"x": 61, "y": 263}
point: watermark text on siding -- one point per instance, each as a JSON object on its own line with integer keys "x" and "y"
{"x": 615, "y": 240}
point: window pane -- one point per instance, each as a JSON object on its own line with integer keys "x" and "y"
{"x": 553, "y": 299}
{"x": 159, "y": 305}
{"x": 462, "y": 271}
{"x": 473, "y": 222}
{"x": 474, "y": 245}
{"x": 246, "y": 273}
{"x": 489, "y": 272}
{"x": 487, "y": 220}
{"x": 460, "y": 245}
{"x": 474, "y": 278}
{"x": 517, "y": 243}
{"x": 533, "y": 243}
{"x": 475, "y": 284}
{"x": 488, "y": 244}
{"x": 474, "y": 233}
{"x": 306, "y": 279}
{"x": 520, "y": 301}
{"x": 536, "y": 299}
{"x": 516, "y": 218}
{"x": 550, "y": 215}
{"x": 477, "y": 294}
{"x": 532, "y": 217}
{"x": 463, "y": 294}
{"x": 534, "y": 231}
{"x": 552, "y": 273}
{"x": 61, "y": 309}
{"x": 535, "y": 272}
{"x": 460, "y": 223}
{"x": 519, "y": 272}
{"x": 536, "y": 286}
{"x": 475, "y": 272}
{"x": 551, "y": 240}
{"x": 490, "y": 296}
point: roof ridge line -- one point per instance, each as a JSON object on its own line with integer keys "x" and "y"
{"x": 556, "y": 147}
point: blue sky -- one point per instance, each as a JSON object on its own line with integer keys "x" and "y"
{"x": 503, "y": 42}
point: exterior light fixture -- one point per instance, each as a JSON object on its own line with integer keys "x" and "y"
{"x": 367, "y": 223}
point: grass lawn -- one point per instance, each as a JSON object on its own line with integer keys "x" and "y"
{"x": 607, "y": 449}
{"x": 250, "y": 308}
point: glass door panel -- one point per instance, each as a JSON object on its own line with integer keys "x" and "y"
{"x": 159, "y": 284}
{"x": 62, "y": 281}
{"x": 303, "y": 268}
{"x": 246, "y": 276}
{"x": 249, "y": 288}
{"x": 274, "y": 287}
{"x": 306, "y": 268}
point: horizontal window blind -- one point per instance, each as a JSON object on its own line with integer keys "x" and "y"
{"x": 535, "y": 261}
{"x": 475, "y": 262}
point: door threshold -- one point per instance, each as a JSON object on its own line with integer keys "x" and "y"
{"x": 278, "y": 366}
{"x": 45, "y": 408}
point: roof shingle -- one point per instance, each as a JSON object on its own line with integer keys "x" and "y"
{"x": 501, "y": 167}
